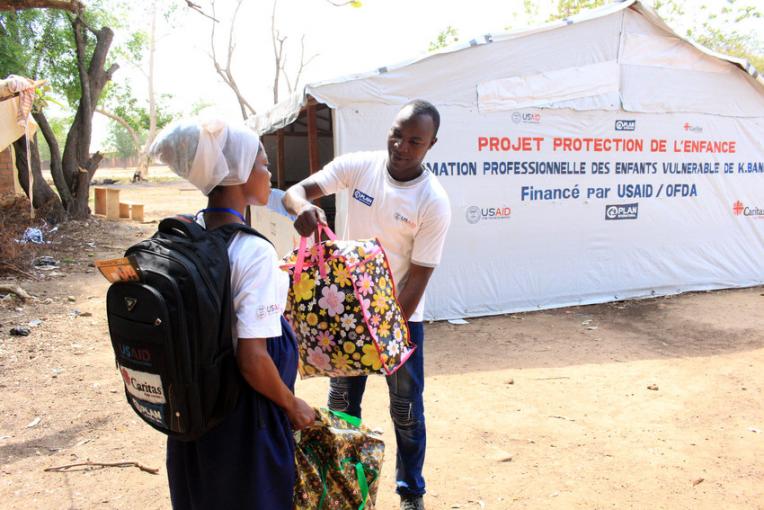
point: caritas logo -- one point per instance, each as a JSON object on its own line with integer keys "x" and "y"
{"x": 738, "y": 208}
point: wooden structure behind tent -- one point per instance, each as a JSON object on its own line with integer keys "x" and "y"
{"x": 303, "y": 148}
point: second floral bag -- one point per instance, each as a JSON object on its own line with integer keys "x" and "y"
{"x": 342, "y": 306}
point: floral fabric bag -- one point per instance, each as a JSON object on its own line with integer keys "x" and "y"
{"x": 338, "y": 464}
{"x": 343, "y": 309}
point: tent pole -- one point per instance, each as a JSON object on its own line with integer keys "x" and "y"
{"x": 313, "y": 159}
{"x": 280, "y": 159}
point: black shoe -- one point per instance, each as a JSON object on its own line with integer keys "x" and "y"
{"x": 412, "y": 503}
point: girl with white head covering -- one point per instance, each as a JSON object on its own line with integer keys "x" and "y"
{"x": 248, "y": 460}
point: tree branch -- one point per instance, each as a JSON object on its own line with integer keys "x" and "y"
{"x": 198, "y": 9}
{"x": 74, "y": 6}
{"x": 122, "y": 122}
{"x": 225, "y": 73}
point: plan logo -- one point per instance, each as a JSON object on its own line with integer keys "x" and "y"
{"x": 526, "y": 118}
{"x": 693, "y": 129}
{"x": 625, "y": 125}
{"x": 740, "y": 209}
{"x": 474, "y": 214}
{"x": 153, "y": 413}
{"x": 363, "y": 197}
{"x": 622, "y": 211}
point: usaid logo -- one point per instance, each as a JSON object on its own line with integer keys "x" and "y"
{"x": 474, "y": 213}
{"x": 363, "y": 197}
{"x": 625, "y": 125}
{"x": 139, "y": 356}
{"x": 403, "y": 219}
{"x": 526, "y": 118}
{"x": 622, "y": 211}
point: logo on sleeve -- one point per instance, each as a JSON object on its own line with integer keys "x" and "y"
{"x": 363, "y": 197}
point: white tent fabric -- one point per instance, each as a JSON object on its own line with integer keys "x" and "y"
{"x": 552, "y": 88}
{"x": 597, "y": 158}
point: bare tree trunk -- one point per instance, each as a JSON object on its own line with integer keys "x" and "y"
{"x": 44, "y": 199}
{"x": 142, "y": 171}
{"x": 22, "y": 165}
{"x": 77, "y": 164}
{"x": 55, "y": 159}
{"x": 278, "y": 53}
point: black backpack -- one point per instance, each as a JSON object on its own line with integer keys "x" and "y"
{"x": 172, "y": 330}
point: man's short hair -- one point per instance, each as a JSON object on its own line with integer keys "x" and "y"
{"x": 422, "y": 107}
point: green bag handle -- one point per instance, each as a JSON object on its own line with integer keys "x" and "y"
{"x": 321, "y": 474}
{"x": 353, "y": 420}
{"x": 359, "y": 470}
{"x": 361, "y": 475}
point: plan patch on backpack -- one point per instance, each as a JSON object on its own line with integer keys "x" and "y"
{"x": 152, "y": 412}
{"x": 143, "y": 385}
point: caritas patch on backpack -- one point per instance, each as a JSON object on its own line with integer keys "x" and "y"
{"x": 143, "y": 385}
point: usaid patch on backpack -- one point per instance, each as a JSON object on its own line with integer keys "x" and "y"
{"x": 171, "y": 330}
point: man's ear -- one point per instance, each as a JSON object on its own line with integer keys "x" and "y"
{"x": 434, "y": 139}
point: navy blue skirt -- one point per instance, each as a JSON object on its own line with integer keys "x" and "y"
{"x": 248, "y": 460}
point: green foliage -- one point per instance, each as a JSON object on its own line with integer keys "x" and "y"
{"x": 121, "y": 101}
{"x": 731, "y": 28}
{"x": 568, "y": 8}
{"x": 120, "y": 141}
{"x": 199, "y": 105}
{"x": 445, "y": 38}
{"x": 39, "y": 44}
{"x": 727, "y": 29}
{"x": 60, "y": 126}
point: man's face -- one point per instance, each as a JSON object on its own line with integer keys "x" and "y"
{"x": 408, "y": 141}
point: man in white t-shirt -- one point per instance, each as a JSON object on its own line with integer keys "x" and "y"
{"x": 394, "y": 198}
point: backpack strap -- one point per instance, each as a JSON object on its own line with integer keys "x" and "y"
{"x": 229, "y": 231}
{"x": 185, "y": 225}
{"x": 182, "y": 225}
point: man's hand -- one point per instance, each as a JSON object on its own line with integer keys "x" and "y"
{"x": 308, "y": 219}
{"x": 297, "y": 200}
{"x": 300, "y": 414}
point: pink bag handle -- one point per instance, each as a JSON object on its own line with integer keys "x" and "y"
{"x": 302, "y": 252}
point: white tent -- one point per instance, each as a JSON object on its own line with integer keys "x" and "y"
{"x": 598, "y": 158}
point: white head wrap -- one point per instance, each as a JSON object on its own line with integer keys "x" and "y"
{"x": 208, "y": 152}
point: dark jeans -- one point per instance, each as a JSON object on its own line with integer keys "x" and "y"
{"x": 406, "y": 409}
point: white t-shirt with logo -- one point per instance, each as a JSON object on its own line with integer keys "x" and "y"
{"x": 410, "y": 218}
{"x": 258, "y": 287}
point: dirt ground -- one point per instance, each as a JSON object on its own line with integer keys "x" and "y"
{"x": 550, "y": 409}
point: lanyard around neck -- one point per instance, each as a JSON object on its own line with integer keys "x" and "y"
{"x": 223, "y": 210}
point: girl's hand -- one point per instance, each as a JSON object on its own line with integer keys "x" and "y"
{"x": 300, "y": 414}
